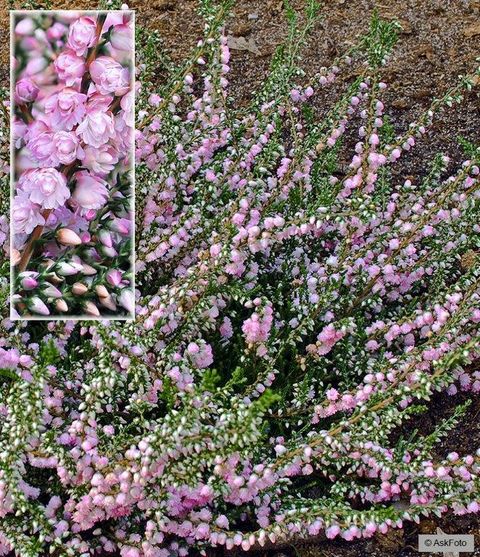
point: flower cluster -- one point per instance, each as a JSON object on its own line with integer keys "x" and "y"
{"x": 73, "y": 128}
{"x": 294, "y": 316}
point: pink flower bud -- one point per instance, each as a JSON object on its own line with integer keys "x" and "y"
{"x": 37, "y": 306}
{"x": 121, "y": 37}
{"x": 61, "y": 306}
{"x": 52, "y": 292}
{"x": 68, "y": 237}
{"x": 91, "y": 309}
{"x": 101, "y": 291}
{"x": 108, "y": 302}
{"x": 25, "y": 91}
{"x": 25, "y": 26}
{"x": 127, "y": 300}
{"x": 79, "y": 289}
{"x": 106, "y": 238}
{"x": 114, "y": 277}
{"x": 36, "y": 65}
{"x": 28, "y": 280}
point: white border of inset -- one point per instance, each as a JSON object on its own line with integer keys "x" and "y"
{"x": 127, "y": 317}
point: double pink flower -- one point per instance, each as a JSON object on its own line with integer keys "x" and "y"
{"x": 82, "y": 35}
{"x": 46, "y": 186}
{"x": 109, "y": 76}
{"x": 70, "y": 67}
{"x": 66, "y": 108}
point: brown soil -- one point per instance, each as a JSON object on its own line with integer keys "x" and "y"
{"x": 440, "y": 40}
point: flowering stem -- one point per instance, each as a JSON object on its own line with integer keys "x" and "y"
{"x": 28, "y": 251}
{"x": 93, "y": 53}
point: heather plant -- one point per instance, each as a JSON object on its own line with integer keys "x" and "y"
{"x": 294, "y": 316}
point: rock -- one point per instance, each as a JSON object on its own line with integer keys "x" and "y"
{"x": 472, "y": 30}
{"x": 241, "y": 43}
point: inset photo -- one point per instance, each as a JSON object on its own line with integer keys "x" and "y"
{"x": 72, "y": 171}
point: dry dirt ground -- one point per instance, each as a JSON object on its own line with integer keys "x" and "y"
{"x": 440, "y": 40}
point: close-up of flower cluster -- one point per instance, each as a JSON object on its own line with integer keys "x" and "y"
{"x": 302, "y": 300}
{"x": 71, "y": 214}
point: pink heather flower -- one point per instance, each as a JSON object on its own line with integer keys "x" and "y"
{"x": 66, "y": 147}
{"x": 100, "y": 160}
{"x": 25, "y": 26}
{"x": 82, "y": 35}
{"x": 66, "y": 108}
{"x": 121, "y": 37}
{"x": 114, "y": 277}
{"x": 25, "y": 214}
{"x": 97, "y": 128}
{"x": 56, "y": 31}
{"x": 70, "y": 67}
{"x": 90, "y": 191}
{"x": 25, "y": 91}
{"x": 41, "y": 148}
{"x": 109, "y": 76}
{"x": 46, "y": 186}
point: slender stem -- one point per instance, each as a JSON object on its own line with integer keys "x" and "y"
{"x": 28, "y": 251}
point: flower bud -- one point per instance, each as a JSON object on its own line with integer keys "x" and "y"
{"x": 108, "y": 252}
{"x": 101, "y": 291}
{"x": 68, "y": 269}
{"x": 25, "y": 91}
{"x": 106, "y": 238}
{"x": 61, "y": 305}
{"x": 37, "y": 306}
{"x": 52, "y": 291}
{"x": 25, "y": 26}
{"x": 114, "y": 277}
{"x": 68, "y": 237}
{"x": 88, "y": 270}
{"x": 15, "y": 257}
{"x": 79, "y": 289}
{"x": 127, "y": 300}
{"x": 121, "y": 37}
{"x": 91, "y": 309}
{"x": 108, "y": 303}
{"x": 28, "y": 280}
